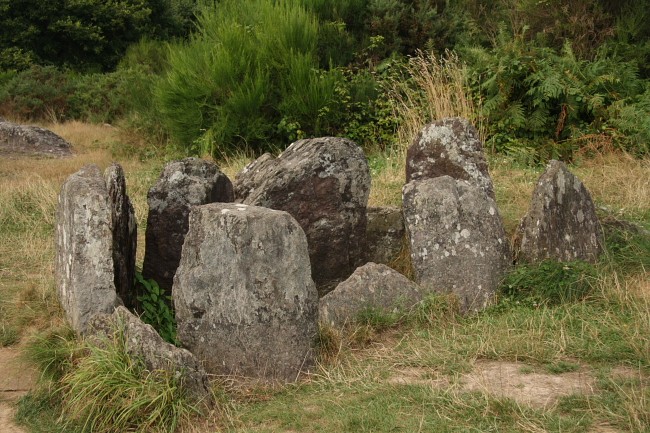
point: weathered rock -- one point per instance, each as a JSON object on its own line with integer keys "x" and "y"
{"x": 373, "y": 286}
{"x": 449, "y": 147}
{"x": 143, "y": 342}
{"x": 324, "y": 184}
{"x": 385, "y": 234}
{"x": 182, "y": 185}
{"x": 561, "y": 223}
{"x": 458, "y": 243}
{"x": 245, "y": 302}
{"x": 23, "y": 140}
{"x": 125, "y": 235}
{"x": 84, "y": 248}
{"x": 252, "y": 176}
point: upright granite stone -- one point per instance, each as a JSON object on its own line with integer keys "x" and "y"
{"x": 143, "y": 342}
{"x": 245, "y": 302}
{"x": 561, "y": 223}
{"x": 385, "y": 234}
{"x": 372, "y": 286}
{"x": 458, "y": 243}
{"x": 125, "y": 235}
{"x": 182, "y": 185}
{"x": 449, "y": 147}
{"x": 84, "y": 268}
{"x": 324, "y": 184}
{"x": 25, "y": 140}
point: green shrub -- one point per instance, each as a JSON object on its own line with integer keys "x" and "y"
{"x": 156, "y": 308}
{"x": 549, "y": 282}
{"x": 535, "y": 97}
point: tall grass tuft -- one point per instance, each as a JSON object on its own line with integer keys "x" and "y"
{"x": 109, "y": 391}
{"x": 434, "y": 88}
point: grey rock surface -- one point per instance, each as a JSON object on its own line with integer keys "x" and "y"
{"x": 372, "y": 286}
{"x": 324, "y": 184}
{"x": 25, "y": 140}
{"x": 449, "y": 147}
{"x": 84, "y": 268}
{"x": 144, "y": 343}
{"x": 458, "y": 243}
{"x": 181, "y": 185}
{"x": 385, "y": 234}
{"x": 561, "y": 223}
{"x": 245, "y": 302}
{"x": 125, "y": 234}
{"x": 251, "y": 176}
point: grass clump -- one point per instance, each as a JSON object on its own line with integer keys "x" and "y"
{"x": 98, "y": 387}
{"x": 549, "y": 282}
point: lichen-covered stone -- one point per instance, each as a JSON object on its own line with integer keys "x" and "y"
{"x": 143, "y": 342}
{"x": 324, "y": 184}
{"x": 561, "y": 223}
{"x": 245, "y": 302}
{"x": 182, "y": 185}
{"x": 251, "y": 176}
{"x": 385, "y": 234}
{"x": 372, "y": 286}
{"x": 458, "y": 243}
{"x": 125, "y": 236}
{"x": 25, "y": 140}
{"x": 84, "y": 269}
{"x": 449, "y": 147}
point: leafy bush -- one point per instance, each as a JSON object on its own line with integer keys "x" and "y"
{"x": 535, "y": 97}
{"x": 47, "y": 93}
{"x": 156, "y": 310}
{"x": 549, "y": 282}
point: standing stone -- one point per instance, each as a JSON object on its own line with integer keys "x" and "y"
{"x": 143, "y": 342}
{"x": 372, "y": 286}
{"x": 84, "y": 268}
{"x": 245, "y": 302}
{"x": 385, "y": 234}
{"x": 182, "y": 185}
{"x": 458, "y": 243}
{"x": 125, "y": 235}
{"x": 324, "y": 184}
{"x": 561, "y": 223}
{"x": 449, "y": 147}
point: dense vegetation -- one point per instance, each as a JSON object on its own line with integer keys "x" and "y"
{"x": 550, "y": 77}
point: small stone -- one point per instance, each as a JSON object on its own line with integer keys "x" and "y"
{"x": 372, "y": 286}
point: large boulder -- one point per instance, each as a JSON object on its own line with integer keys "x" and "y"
{"x": 24, "y": 140}
{"x": 125, "y": 235}
{"x": 144, "y": 343}
{"x": 252, "y": 176}
{"x": 372, "y": 286}
{"x": 449, "y": 147}
{"x": 182, "y": 185}
{"x": 245, "y": 302}
{"x": 84, "y": 268}
{"x": 385, "y": 234}
{"x": 561, "y": 223}
{"x": 324, "y": 184}
{"x": 458, "y": 243}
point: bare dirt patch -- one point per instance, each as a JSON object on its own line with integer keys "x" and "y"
{"x": 513, "y": 380}
{"x": 16, "y": 379}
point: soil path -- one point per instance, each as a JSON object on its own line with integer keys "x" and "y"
{"x": 15, "y": 380}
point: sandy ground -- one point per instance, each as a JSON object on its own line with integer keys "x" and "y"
{"x": 15, "y": 380}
